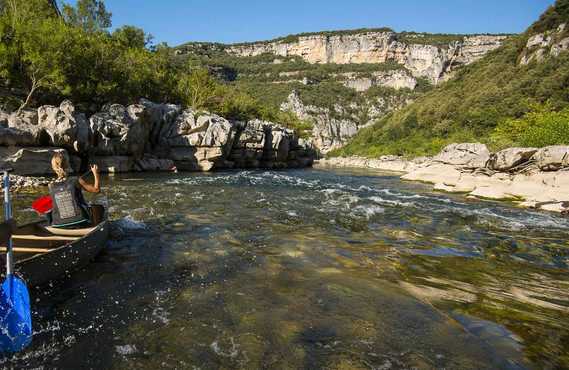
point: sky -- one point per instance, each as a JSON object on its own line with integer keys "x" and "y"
{"x": 229, "y": 21}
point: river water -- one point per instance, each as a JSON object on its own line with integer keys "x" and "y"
{"x": 307, "y": 269}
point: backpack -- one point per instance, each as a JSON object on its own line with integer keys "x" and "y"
{"x": 69, "y": 207}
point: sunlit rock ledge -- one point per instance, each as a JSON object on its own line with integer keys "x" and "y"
{"x": 531, "y": 177}
{"x": 142, "y": 137}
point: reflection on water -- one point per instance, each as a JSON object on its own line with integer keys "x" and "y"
{"x": 308, "y": 269}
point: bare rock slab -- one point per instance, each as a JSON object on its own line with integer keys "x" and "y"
{"x": 468, "y": 155}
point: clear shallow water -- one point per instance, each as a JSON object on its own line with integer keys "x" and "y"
{"x": 308, "y": 269}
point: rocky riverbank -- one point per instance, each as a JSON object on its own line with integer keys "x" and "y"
{"x": 144, "y": 137}
{"x": 530, "y": 177}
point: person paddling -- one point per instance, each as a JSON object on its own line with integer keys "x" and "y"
{"x": 70, "y": 210}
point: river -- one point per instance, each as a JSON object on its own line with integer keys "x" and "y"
{"x": 310, "y": 269}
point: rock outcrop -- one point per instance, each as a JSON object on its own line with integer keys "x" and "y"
{"x": 63, "y": 127}
{"x": 536, "y": 178}
{"x": 552, "y": 158}
{"x": 467, "y": 155}
{"x": 332, "y": 128}
{"x": 423, "y": 60}
{"x": 549, "y": 43}
{"x": 261, "y": 144}
{"x": 199, "y": 142}
{"x": 30, "y": 161}
{"x": 510, "y": 158}
{"x": 396, "y": 79}
{"x": 144, "y": 137}
{"x": 120, "y": 130}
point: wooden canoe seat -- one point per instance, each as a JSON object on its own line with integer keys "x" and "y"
{"x": 56, "y": 238}
{"x": 28, "y": 250}
{"x": 69, "y": 232}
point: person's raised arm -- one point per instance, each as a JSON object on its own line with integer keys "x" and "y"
{"x": 95, "y": 188}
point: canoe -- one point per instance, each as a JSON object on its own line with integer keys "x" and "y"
{"x": 43, "y": 254}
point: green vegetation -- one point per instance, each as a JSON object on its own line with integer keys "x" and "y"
{"x": 436, "y": 39}
{"x": 269, "y": 67}
{"x": 490, "y": 93}
{"x": 553, "y": 17}
{"x": 541, "y": 127}
{"x": 91, "y": 16}
{"x": 51, "y": 56}
{"x": 295, "y": 37}
{"x": 429, "y": 38}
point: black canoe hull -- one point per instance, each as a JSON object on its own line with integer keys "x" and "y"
{"x": 43, "y": 268}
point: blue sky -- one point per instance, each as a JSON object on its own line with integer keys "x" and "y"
{"x": 179, "y": 21}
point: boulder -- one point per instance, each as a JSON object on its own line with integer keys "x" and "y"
{"x": 252, "y": 144}
{"x": 121, "y": 131}
{"x": 4, "y": 117}
{"x": 162, "y": 117}
{"x": 281, "y": 142}
{"x": 197, "y": 158}
{"x": 23, "y": 130}
{"x": 65, "y": 127}
{"x": 185, "y": 158}
{"x": 148, "y": 163}
{"x": 552, "y": 158}
{"x": 507, "y": 159}
{"x": 15, "y": 137}
{"x": 199, "y": 142}
{"x": 30, "y": 161}
{"x": 219, "y": 131}
{"x": 183, "y": 131}
{"x": 468, "y": 155}
{"x": 436, "y": 173}
{"x": 113, "y": 164}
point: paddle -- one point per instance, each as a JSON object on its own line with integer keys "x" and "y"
{"x": 44, "y": 204}
{"x": 15, "y": 311}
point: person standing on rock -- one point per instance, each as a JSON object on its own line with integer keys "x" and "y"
{"x": 70, "y": 210}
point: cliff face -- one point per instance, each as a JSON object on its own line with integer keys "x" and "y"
{"x": 433, "y": 62}
{"x": 333, "y": 128}
{"x": 145, "y": 137}
{"x": 548, "y": 43}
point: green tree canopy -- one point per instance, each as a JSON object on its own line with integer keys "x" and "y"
{"x": 91, "y": 15}
{"x": 132, "y": 37}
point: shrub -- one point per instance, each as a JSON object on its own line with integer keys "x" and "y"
{"x": 539, "y": 128}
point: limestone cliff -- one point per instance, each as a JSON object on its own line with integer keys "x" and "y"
{"x": 332, "y": 128}
{"x": 434, "y": 62}
{"x": 145, "y": 137}
{"x": 549, "y": 43}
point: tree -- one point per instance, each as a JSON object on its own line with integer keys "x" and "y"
{"x": 53, "y": 4}
{"x": 42, "y": 51}
{"x": 197, "y": 88}
{"x": 32, "y": 40}
{"x": 91, "y": 15}
{"x": 132, "y": 37}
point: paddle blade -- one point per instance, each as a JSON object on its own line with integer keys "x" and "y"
{"x": 15, "y": 315}
{"x": 43, "y": 205}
